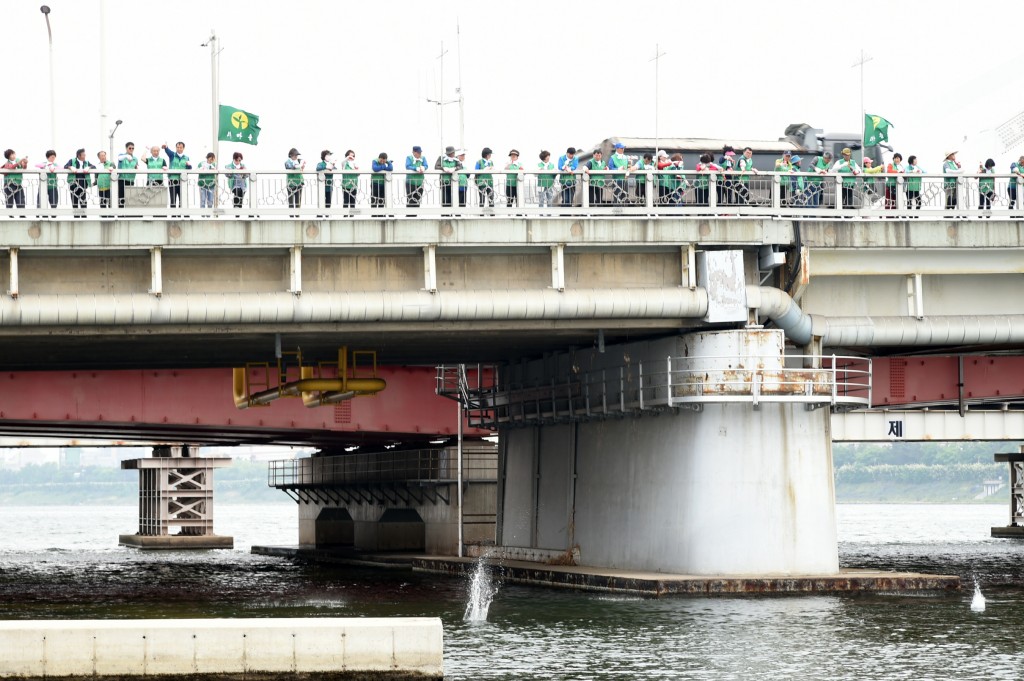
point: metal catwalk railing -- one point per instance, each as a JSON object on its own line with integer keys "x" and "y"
{"x": 225, "y": 194}
{"x": 676, "y": 382}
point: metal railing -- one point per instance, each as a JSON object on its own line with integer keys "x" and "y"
{"x": 420, "y": 466}
{"x": 272, "y": 195}
{"x": 676, "y": 382}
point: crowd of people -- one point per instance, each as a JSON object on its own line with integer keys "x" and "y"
{"x": 619, "y": 179}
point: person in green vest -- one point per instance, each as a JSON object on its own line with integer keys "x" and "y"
{"x": 986, "y": 185}
{"x": 325, "y": 166}
{"x": 641, "y": 168}
{"x": 350, "y": 180}
{"x": 293, "y": 179}
{"x": 673, "y": 180}
{"x": 208, "y": 181}
{"x": 484, "y": 180}
{"x": 849, "y": 169}
{"x": 79, "y": 186}
{"x": 822, "y": 166}
{"x": 155, "y": 162}
{"x": 447, "y": 164}
{"x": 415, "y": 166}
{"x": 462, "y": 174}
{"x": 950, "y": 167}
{"x": 1016, "y": 183}
{"x": 784, "y": 165}
{"x": 619, "y": 161}
{"x": 238, "y": 180}
{"x": 178, "y": 161}
{"x": 913, "y": 183}
{"x": 103, "y": 180}
{"x": 512, "y": 178}
{"x": 126, "y": 161}
{"x": 596, "y": 192}
{"x": 545, "y": 181}
{"x": 51, "y": 167}
{"x": 702, "y": 182}
{"x": 745, "y": 166}
{"x": 724, "y": 189}
{"x": 894, "y": 168}
{"x": 378, "y": 181}
{"x": 14, "y": 193}
{"x": 797, "y": 183}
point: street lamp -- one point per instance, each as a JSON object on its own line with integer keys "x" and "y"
{"x": 117, "y": 124}
{"x": 45, "y": 9}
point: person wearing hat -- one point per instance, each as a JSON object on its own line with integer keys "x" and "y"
{"x": 822, "y": 165}
{"x": 460, "y": 156}
{"x": 568, "y": 165}
{"x": 950, "y": 167}
{"x": 797, "y": 182}
{"x": 512, "y": 179}
{"x": 326, "y": 165}
{"x": 619, "y": 161}
{"x": 484, "y": 180}
{"x": 727, "y": 161}
{"x": 447, "y": 164}
{"x": 415, "y": 166}
{"x": 545, "y": 181}
{"x": 349, "y": 182}
{"x": 378, "y": 181}
{"x": 784, "y": 165}
{"x": 848, "y": 168}
{"x": 294, "y": 178}
{"x": 596, "y": 191}
{"x": 663, "y": 164}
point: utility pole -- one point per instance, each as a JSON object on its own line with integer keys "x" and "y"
{"x": 440, "y": 101}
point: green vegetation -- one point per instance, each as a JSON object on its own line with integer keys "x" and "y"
{"x": 48, "y": 484}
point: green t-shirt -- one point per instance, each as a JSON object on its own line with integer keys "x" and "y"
{"x": 819, "y": 165}
{"x": 621, "y": 163}
{"x": 207, "y": 180}
{"x": 294, "y": 179}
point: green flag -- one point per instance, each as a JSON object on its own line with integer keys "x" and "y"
{"x": 876, "y": 130}
{"x": 238, "y": 126}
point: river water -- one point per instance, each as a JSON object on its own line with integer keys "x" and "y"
{"x": 63, "y": 562}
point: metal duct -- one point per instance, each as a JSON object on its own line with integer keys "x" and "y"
{"x": 778, "y": 306}
{"x": 410, "y": 306}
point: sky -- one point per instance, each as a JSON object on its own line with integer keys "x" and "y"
{"x": 535, "y": 75}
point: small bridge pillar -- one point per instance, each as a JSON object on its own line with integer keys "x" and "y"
{"x": 175, "y": 501}
{"x": 1015, "y": 530}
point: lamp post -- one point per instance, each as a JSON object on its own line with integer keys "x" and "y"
{"x": 117, "y": 124}
{"x": 45, "y": 9}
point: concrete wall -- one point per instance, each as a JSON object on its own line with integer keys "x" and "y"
{"x": 151, "y": 647}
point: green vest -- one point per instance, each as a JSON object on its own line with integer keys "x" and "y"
{"x": 914, "y": 181}
{"x": 178, "y": 162}
{"x": 103, "y": 179}
{"x": 987, "y": 185}
{"x": 448, "y": 165}
{"x": 349, "y": 181}
{"x": 846, "y": 168}
{"x": 891, "y": 181}
{"x": 485, "y": 179}
{"x": 745, "y": 165}
{"x": 154, "y": 163}
{"x": 294, "y": 178}
{"x": 207, "y": 180}
{"x": 621, "y": 163}
{"x": 949, "y": 167}
{"x": 597, "y": 180}
{"x": 512, "y": 178}
{"x": 51, "y": 179}
{"x": 416, "y": 164}
{"x": 545, "y": 181}
{"x": 673, "y": 180}
{"x": 641, "y": 174}
{"x": 819, "y": 165}
{"x": 124, "y": 163}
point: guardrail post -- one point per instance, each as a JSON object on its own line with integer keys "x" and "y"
{"x": 776, "y": 191}
{"x": 835, "y": 379}
{"x": 12, "y": 289}
{"x": 586, "y": 190}
{"x": 668, "y": 375}
{"x": 640, "y": 369}
{"x": 156, "y": 286}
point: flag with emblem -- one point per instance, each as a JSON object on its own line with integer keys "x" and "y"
{"x": 238, "y": 126}
{"x": 876, "y": 130}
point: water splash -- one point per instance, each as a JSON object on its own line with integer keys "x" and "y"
{"x": 978, "y": 602}
{"x": 481, "y": 592}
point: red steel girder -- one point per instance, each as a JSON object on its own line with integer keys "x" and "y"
{"x": 907, "y": 381}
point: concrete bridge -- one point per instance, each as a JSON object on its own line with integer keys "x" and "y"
{"x": 666, "y": 385}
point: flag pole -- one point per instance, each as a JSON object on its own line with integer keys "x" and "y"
{"x": 215, "y": 94}
{"x": 863, "y": 60}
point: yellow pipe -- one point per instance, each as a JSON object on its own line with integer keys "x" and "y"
{"x": 238, "y": 387}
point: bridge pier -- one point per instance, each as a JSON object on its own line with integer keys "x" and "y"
{"x": 725, "y": 470}
{"x": 175, "y": 491}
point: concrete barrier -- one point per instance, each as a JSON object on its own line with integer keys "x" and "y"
{"x": 404, "y": 647}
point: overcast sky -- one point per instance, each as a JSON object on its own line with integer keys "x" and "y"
{"x": 535, "y": 75}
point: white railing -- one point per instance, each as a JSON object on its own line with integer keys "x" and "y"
{"x": 676, "y": 382}
{"x": 270, "y": 194}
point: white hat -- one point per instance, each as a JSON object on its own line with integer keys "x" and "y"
{"x": 661, "y": 152}
{"x": 460, "y": 152}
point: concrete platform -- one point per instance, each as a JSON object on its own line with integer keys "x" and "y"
{"x": 176, "y": 542}
{"x": 1008, "y": 532}
{"x": 662, "y": 584}
{"x": 628, "y": 581}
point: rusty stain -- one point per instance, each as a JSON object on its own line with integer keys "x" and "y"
{"x": 576, "y": 230}
{"x": 313, "y": 231}
{"x": 35, "y": 231}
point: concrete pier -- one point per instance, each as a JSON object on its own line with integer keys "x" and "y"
{"x": 387, "y": 647}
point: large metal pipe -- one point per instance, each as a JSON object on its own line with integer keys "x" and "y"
{"x": 778, "y": 306}
{"x": 358, "y": 306}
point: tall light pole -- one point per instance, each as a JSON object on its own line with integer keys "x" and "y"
{"x": 117, "y": 124}
{"x": 658, "y": 54}
{"x": 212, "y": 43}
{"x": 440, "y": 101}
{"x": 45, "y": 9}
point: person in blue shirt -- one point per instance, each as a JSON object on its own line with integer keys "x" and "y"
{"x": 568, "y": 165}
{"x": 378, "y": 181}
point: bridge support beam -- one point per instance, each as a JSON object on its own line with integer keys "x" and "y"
{"x": 730, "y": 489}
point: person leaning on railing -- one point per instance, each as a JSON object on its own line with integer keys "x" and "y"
{"x": 894, "y": 168}
{"x": 415, "y": 166}
{"x": 784, "y": 165}
{"x": 640, "y": 168}
{"x": 484, "y": 180}
{"x": 701, "y": 183}
{"x": 798, "y": 192}
{"x": 325, "y": 166}
{"x": 986, "y": 185}
{"x": 1016, "y": 182}
{"x": 378, "y": 181}
{"x": 848, "y": 168}
{"x": 237, "y": 180}
{"x": 619, "y": 161}
{"x": 745, "y": 166}
{"x": 913, "y": 183}
{"x": 447, "y": 164}
{"x": 567, "y": 165}
{"x": 822, "y": 165}
{"x": 82, "y": 180}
